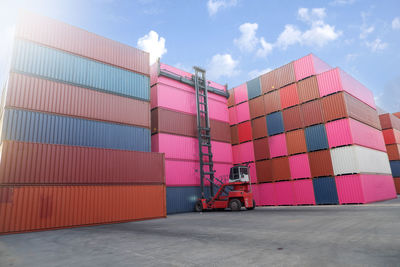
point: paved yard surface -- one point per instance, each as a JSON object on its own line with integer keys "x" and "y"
{"x": 366, "y": 235}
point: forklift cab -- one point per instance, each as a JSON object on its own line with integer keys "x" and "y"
{"x": 239, "y": 174}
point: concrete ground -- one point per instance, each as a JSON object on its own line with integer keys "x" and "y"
{"x": 367, "y": 235}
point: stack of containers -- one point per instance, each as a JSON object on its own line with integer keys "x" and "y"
{"x": 314, "y": 117}
{"x": 75, "y": 142}
{"x": 174, "y": 132}
{"x": 391, "y": 133}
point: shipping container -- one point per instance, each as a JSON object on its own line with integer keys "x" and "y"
{"x": 264, "y": 171}
{"x": 243, "y": 112}
{"x": 308, "y": 89}
{"x": 316, "y": 138}
{"x": 34, "y": 163}
{"x": 299, "y": 166}
{"x": 56, "y": 34}
{"x": 231, "y": 99}
{"x": 358, "y": 159}
{"x": 233, "y": 119}
{"x": 397, "y": 185}
{"x": 275, "y": 123}
{"x": 234, "y": 135}
{"x": 32, "y": 93}
{"x": 337, "y": 80}
{"x": 280, "y": 169}
{"x": 253, "y": 88}
{"x": 32, "y": 208}
{"x": 292, "y": 118}
{"x": 397, "y": 114}
{"x": 320, "y": 163}
{"x": 272, "y": 102}
{"x": 389, "y": 121}
{"x": 364, "y": 188}
{"x": 256, "y": 106}
{"x": 391, "y": 136}
{"x": 311, "y": 113}
{"x": 288, "y": 96}
{"x": 244, "y": 131}
{"x": 268, "y": 82}
{"x": 277, "y": 145}
{"x": 235, "y": 154}
{"x": 278, "y": 78}
{"x": 182, "y": 199}
{"x": 343, "y": 105}
{"x": 348, "y": 131}
{"x": 284, "y": 193}
{"x": 38, "y": 60}
{"x": 245, "y": 152}
{"x": 308, "y": 66}
{"x": 325, "y": 191}
{"x": 395, "y": 168}
{"x": 393, "y": 151}
{"x": 241, "y": 93}
{"x": 259, "y": 127}
{"x": 296, "y": 142}
{"x": 261, "y": 149}
{"x": 27, "y": 126}
{"x": 253, "y": 173}
{"x": 265, "y": 194}
{"x": 304, "y": 192}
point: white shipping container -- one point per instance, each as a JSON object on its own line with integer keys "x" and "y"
{"x": 358, "y": 159}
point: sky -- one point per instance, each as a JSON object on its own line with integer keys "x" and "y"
{"x": 237, "y": 40}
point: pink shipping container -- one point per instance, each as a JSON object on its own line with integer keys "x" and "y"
{"x": 53, "y": 33}
{"x": 241, "y": 93}
{"x": 277, "y": 146}
{"x": 187, "y": 148}
{"x": 265, "y": 194}
{"x": 337, "y": 80}
{"x": 246, "y": 152}
{"x": 349, "y": 131}
{"x": 308, "y": 66}
{"x": 233, "y": 118}
{"x": 243, "y": 112}
{"x": 304, "y": 192}
{"x": 284, "y": 193}
{"x": 365, "y": 188}
{"x": 28, "y": 92}
{"x": 253, "y": 172}
{"x": 299, "y": 166}
{"x": 236, "y": 154}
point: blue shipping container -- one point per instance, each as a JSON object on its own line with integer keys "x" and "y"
{"x": 275, "y": 123}
{"x": 183, "y": 198}
{"x": 395, "y": 166}
{"x": 35, "y": 59}
{"x": 316, "y": 138}
{"x": 253, "y": 88}
{"x": 36, "y": 127}
{"x": 325, "y": 190}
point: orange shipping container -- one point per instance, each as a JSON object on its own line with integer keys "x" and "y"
{"x": 278, "y": 78}
{"x": 311, "y": 112}
{"x": 292, "y": 118}
{"x": 296, "y": 142}
{"x": 308, "y": 89}
{"x": 30, "y": 208}
{"x": 261, "y": 149}
{"x": 280, "y": 169}
{"x": 234, "y": 135}
{"x": 231, "y": 99}
{"x": 288, "y": 95}
{"x": 264, "y": 171}
{"x": 393, "y": 151}
{"x": 272, "y": 102}
{"x": 320, "y": 163}
{"x": 256, "y": 106}
{"x": 259, "y": 127}
{"x": 397, "y": 184}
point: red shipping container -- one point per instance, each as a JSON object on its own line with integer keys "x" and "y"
{"x": 35, "y": 163}
{"x": 311, "y": 112}
{"x": 256, "y": 106}
{"x": 288, "y": 96}
{"x": 389, "y": 121}
{"x": 391, "y": 136}
{"x": 292, "y": 119}
{"x": 244, "y": 130}
{"x": 259, "y": 127}
{"x": 296, "y": 142}
{"x": 261, "y": 149}
{"x": 397, "y": 114}
{"x": 280, "y": 169}
{"x": 308, "y": 89}
{"x": 320, "y": 163}
{"x": 397, "y": 185}
{"x": 272, "y": 102}
{"x": 32, "y": 208}
{"x": 264, "y": 171}
{"x": 393, "y": 151}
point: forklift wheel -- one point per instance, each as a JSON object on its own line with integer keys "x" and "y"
{"x": 199, "y": 206}
{"x": 235, "y": 204}
{"x": 254, "y": 206}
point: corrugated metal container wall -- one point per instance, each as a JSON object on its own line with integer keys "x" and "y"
{"x": 285, "y": 75}
{"x": 299, "y": 166}
{"x": 397, "y": 114}
{"x": 256, "y": 106}
{"x": 309, "y": 65}
{"x": 389, "y": 121}
{"x": 232, "y": 115}
{"x": 320, "y": 163}
{"x": 31, "y": 163}
{"x": 284, "y": 193}
{"x": 246, "y": 152}
{"x": 36, "y": 94}
{"x": 261, "y": 149}
{"x": 393, "y": 151}
{"x": 316, "y": 138}
{"x": 231, "y": 99}
{"x": 296, "y": 142}
{"x": 395, "y": 168}
{"x": 60, "y": 35}
{"x": 264, "y": 171}
{"x": 31, "y": 208}
{"x": 288, "y": 96}
{"x": 253, "y": 88}
{"x": 243, "y": 112}
{"x": 391, "y": 136}
{"x": 275, "y": 123}
{"x": 280, "y": 169}
{"x": 277, "y": 145}
{"x": 234, "y": 135}
{"x": 304, "y": 192}
{"x": 397, "y": 185}
{"x": 311, "y": 113}
{"x": 241, "y": 94}
{"x": 325, "y": 191}
{"x": 183, "y": 198}
{"x": 308, "y": 89}
{"x": 358, "y": 159}
{"x": 268, "y": 82}
{"x": 259, "y": 127}
{"x": 61, "y": 66}
{"x": 265, "y": 194}
{"x": 272, "y": 102}
{"x": 292, "y": 118}
{"x": 245, "y": 132}
{"x": 27, "y": 126}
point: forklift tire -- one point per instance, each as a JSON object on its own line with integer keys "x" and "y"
{"x": 235, "y": 205}
{"x": 254, "y": 206}
{"x": 199, "y": 206}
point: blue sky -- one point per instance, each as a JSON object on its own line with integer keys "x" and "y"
{"x": 238, "y": 39}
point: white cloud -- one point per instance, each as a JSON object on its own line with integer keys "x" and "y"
{"x": 222, "y": 65}
{"x": 320, "y": 35}
{"x": 255, "y": 73}
{"x": 341, "y": 2}
{"x": 396, "y": 23}
{"x": 315, "y": 17}
{"x": 290, "y": 36}
{"x": 214, "y": 5}
{"x": 351, "y": 57}
{"x": 153, "y": 44}
{"x": 266, "y": 48}
{"x": 376, "y": 45}
{"x": 248, "y": 39}
{"x": 365, "y": 31}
